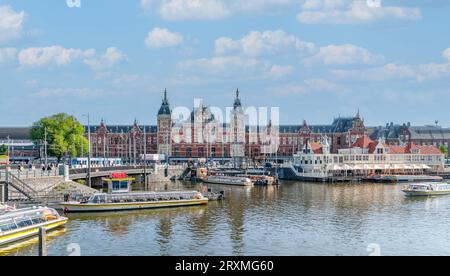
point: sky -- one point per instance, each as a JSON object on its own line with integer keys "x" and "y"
{"x": 314, "y": 59}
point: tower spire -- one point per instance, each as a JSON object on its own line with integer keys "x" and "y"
{"x": 237, "y": 100}
{"x": 165, "y": 107}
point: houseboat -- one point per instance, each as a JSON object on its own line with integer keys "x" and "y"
{"x": 427, "y": 189}
{"x": 20, "y": 224}
{"x": 228, "y": 180}
{"x": 135, "y": 201}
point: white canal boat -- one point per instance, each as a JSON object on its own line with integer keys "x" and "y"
{"x": 228, "y": 180}
{"x": 135, "y": 201}
{"x": 427, "y": 189}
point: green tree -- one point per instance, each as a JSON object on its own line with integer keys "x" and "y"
{"x": 65, "y": 135}
{"x": 444, "y": 150}
{"x": 3, "y": 150}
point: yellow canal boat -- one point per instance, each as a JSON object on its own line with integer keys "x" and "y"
{"x": 20, "y": 224}
{"x": 135, "y": 201}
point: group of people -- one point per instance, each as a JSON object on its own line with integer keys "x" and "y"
{"x": 44, "y": 168}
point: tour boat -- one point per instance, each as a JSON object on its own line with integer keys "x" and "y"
{"x": 135, "y": 201}
{"x": 228, "y": 180}
{"x": 20, "y": 224}
{"x": 262, "y": 180}
{"x": 427, "y": 189}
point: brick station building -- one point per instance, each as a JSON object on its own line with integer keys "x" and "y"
{"x": 396, "y": 134}
{"x": 204, "y": 136}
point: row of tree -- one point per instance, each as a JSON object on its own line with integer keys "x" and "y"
{"x": 64, "y": 135}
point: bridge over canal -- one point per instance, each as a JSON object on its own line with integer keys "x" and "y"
{"x": 24, "y": 182}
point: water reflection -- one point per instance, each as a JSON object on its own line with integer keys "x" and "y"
{"x": 292, "y": 219}
{"x": 29, "y": 246}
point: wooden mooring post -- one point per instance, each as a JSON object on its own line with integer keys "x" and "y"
{"x": 42, "y": 242}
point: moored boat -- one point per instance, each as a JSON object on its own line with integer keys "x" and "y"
{"x": 135, "y": 201}
{"x": 385, "y": 178}
{"x": 20, "y": 224}
{"x": 263, "y": 180}
{"x": 228, "y": 180}
{"x": 427, "y": 189}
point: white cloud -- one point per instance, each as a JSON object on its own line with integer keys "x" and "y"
{"x": 278, "y": 72}
{"x": 259, "y": 5}
{"x": 343, "y": 55}
{"x": 163, "y": 38}
{"x": 7, "y": 54}
{"x": 258, "y": 43}
{"x": 148, "y": 4}
{"x": 302, "y": 88}
{"x": 446, "y": 54}
{"x": 67, "y": 92}
{"x": 60, "y": 56}
{"x": 219, "y": 65}
{"x": 109, "y": 59}
{"x": 392, "y": 71}
{"x": 209, "y": 9}
{"x": 193, "y": 9}
{"x": 233, "y": 67}
{"x": 52, "y": 55}
{"x": 352, "y": 11}
{"x": 11, "y": 24}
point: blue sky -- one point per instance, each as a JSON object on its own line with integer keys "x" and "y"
{"x": 315, "y": 59}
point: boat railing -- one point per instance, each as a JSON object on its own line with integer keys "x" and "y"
{"x": 142, "y": 197}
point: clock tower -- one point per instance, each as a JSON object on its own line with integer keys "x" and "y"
{"x": 164, "y": 128}
{"x": 237, "y": 126}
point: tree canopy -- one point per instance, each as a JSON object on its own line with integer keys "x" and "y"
{"x": 65, "y": 135}
{"x": 3, "y": 150}
{"x": 444, "y": 150}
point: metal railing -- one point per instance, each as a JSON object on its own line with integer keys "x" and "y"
{"x": 28, "y": 174}
{"x": 20, "y": 186}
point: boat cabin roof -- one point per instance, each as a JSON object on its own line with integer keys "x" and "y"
{"x": 147, "y": 193}
{"x": 24, "y": 212}
{"x": 427, "y": 184}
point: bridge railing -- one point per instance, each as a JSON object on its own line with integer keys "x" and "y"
{"x": 106, "y": 169}
{"x": 28, "y": 174}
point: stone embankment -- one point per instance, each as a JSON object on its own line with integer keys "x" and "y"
{"x": 165, "y": 174}
{"x": 53, "y": 189}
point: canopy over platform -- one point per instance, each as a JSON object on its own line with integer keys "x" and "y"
{"x": 371, "y": 167}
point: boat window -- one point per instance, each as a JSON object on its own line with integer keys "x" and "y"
{"x": 23, "y": 222}
{"x": 7, "y": 225}
{"x": 95, "y": 199}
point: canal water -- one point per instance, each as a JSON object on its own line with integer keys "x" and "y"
{"x": 292, "y": 219}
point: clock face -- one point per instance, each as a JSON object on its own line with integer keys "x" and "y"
{"x": 374, "y": 3}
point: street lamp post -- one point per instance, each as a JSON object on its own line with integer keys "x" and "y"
{"x": 8, "y": 153}
{"x": 45, "y": 147}
{"x": 145, "y": 159}
{"x": 89, "y": 151}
